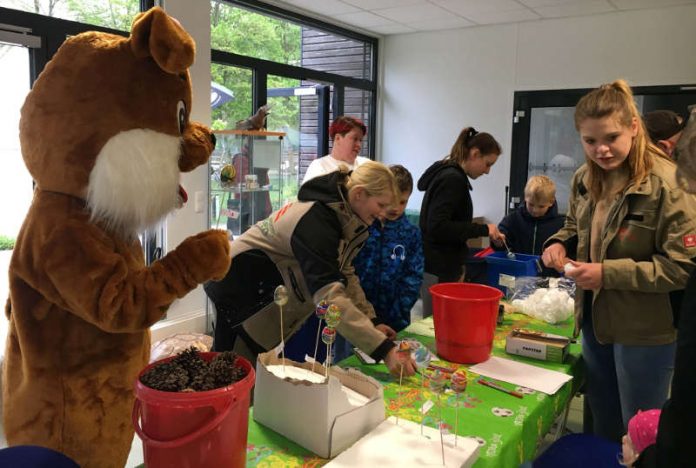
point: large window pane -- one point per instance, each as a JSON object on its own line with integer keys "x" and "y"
{"x": 358, "y": 103}
{"x": 294, "y": 110}
{"x": 15, "y": 182}
{"x": 247, "y": 33}
{"x": 115, "y": 14}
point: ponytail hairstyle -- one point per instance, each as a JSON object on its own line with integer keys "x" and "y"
{"x": 616, "y": 100}
{"x": 469, "y": 139}
{"x": 374, "y": 177}
{"x": 344, "y": 124}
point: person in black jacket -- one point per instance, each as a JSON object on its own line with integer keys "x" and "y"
{"x": 676, "y": 436}
{"x": 447, "y": 211}
{"x": 534, "y": 221}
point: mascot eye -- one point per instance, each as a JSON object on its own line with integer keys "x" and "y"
{"x": 181, "y": 115}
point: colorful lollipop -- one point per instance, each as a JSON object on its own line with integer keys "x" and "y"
{"x": 328, "y": 336}
{"x": 320, "y": 312}
{"x": 333, "y": 316}
{"x": 458, "y": 383}
{"x": 280, "y": 297}
{"x": 321, "y": 309}
{"x": 437, "y": 386}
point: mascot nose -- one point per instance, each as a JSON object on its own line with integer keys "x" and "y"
{"x": 213, "y": 139}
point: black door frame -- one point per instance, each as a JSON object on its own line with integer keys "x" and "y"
{"x": 524, "y": 101}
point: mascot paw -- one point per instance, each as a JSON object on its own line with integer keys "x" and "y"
{"x": 207, "y": 255}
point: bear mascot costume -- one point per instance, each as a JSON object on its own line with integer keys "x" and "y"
{"x": 105, "y": 134}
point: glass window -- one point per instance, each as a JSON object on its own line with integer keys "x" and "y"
{"x": 15, "y": 182}
{"x": 231, "y": 95}
{"x": 358, "y": 103}
{"x": 114, "y": 14}
{"x": 244, "y": 32}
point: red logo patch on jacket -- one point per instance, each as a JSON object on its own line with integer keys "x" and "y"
{"x": 689, "y": 240}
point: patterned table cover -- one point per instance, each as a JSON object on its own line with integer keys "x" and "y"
{"x": 507, "y": 428}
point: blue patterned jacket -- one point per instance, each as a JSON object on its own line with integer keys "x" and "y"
{"x": 390, "y": 268}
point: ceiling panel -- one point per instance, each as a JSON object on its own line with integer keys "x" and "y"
{"x": 404, "y": 16}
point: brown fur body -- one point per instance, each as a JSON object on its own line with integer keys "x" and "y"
{"x": 81, "y": 298}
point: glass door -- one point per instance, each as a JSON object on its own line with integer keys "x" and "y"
{"x": 300, "y": 109}
{"x": 544, "y": 139}
{"x": 16, "y": 185}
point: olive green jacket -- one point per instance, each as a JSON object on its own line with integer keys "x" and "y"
{"x": 648, "y": 242}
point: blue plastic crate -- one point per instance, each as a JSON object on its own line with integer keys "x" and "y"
{"x": 522, "y": 265}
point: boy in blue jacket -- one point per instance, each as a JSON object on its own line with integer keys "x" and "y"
{"x": 527, "y": 228}
{"x": 390, "y": 264}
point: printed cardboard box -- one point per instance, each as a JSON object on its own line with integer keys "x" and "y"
{"x": 537, "y": 345}
{"x": 317, "y": 416}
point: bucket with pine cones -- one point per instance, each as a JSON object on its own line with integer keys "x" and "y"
{"x": 192, "y": 409}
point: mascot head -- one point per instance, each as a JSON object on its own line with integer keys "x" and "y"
{"x": 108, "y": 121}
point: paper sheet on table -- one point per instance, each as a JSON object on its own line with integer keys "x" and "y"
{"x": 424, "y": 327}
{"x": 389, "y": 445}
{"x": 526, "y": 375}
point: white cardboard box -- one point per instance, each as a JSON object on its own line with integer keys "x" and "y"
{"x": 317, "y": 416}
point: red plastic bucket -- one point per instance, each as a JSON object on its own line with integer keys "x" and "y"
{"x": 465, "y": 317}
{"x": 194, "y": 429}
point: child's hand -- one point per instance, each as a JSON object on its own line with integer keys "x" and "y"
{"x": 496, "y": 236}
{"x": 554, "y": 256}
{"x": 387, "y": 330}
{"x": 586, "y": 275}
{"x": 395, "y": 364}
{"x": 628, "y": 453}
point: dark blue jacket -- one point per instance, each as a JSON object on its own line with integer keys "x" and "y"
{"x": 526, "y": 235}
{"x": 390, "y": 268}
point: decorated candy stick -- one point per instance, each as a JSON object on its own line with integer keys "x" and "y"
{"x": 280, "y": 297}
{"x": 422, "y": 357}
{"x": 320, "y": 311}
{"x": 332, "y": 319}
{"x": 437, "y": 386}
{"x": 458, "y": 383}
{"x": 332, "y": 316}
{"x": 328, "y": 336}
{"x": 403, "y": 353}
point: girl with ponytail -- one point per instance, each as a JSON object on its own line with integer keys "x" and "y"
{"x": 631, "y": 230}
{"x": 447, "y": 210}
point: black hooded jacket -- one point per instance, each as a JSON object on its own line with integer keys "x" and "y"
{"x": 445, "y": 219}
{"x": 525, "y": 234}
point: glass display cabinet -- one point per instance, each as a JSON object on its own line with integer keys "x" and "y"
{"x": 246, "y": 181}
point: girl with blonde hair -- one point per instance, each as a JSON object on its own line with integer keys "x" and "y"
{"x": 630, "y": 228}
{"x": 309, "y": 247}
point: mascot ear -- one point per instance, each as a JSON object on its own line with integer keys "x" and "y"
{"x": 155, "y": 34}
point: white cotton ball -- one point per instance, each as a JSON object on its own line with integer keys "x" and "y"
{"x": 568, "y": 267}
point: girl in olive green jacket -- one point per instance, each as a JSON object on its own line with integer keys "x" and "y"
{"x": 632, "y": 230}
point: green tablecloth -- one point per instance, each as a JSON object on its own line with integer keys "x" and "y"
{"x": 508, "y": 429}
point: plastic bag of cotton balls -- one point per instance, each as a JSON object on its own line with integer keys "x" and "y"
{"x": 547, "y": 299}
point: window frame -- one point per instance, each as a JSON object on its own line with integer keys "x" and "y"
{"x": 262, "y": 68}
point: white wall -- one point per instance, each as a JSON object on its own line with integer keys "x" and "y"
{"x": 188, "y": 313}
{"x": 437, "y": 83}
{"x": 433, "y": 84}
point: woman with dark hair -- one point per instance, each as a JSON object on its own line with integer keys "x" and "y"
{"x": 447, "y": 211}
{"x": 347, "y": 134}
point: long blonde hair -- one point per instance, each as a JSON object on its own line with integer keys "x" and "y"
{"x": 616, "y": 100}
{"x": 375, "y": 178}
